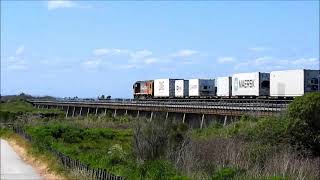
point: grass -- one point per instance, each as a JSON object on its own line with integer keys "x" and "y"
{"x": 10, "y": 111}
{"x": 104, "y": 148}
{"x": 218, "y": 130}
{"x": 24, "y": 107}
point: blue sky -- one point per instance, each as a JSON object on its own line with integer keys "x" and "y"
{"x": 87, "y": 48}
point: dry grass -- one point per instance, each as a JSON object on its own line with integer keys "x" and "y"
{"x": 200, "y": 158}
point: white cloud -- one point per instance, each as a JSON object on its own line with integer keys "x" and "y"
{"x": 104, "y": 51}
{"x": 140, "y": 54}
{"x": 128, "y": 59}
{"x": 19, "y": 66}
{"x": 304, "y": 61}
{"x": 150, "y": 60}
{"x": 20, "y": 50}
{"x": 129, "y": 66}
{"x": 57, "y": 4}
{"x": 185, "y": 53}
{"x": 267, "y": 63}
{"x": 16, "y": 61}
{"x": 258, "y": 49}
{"x": 262, "y": 60}
{"x": 92, "y": 64}
{"x": 226, "y": 59}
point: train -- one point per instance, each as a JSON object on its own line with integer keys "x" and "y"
{"x": 276, "y": 84}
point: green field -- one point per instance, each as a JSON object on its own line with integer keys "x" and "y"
{"x": 10, "y": 111}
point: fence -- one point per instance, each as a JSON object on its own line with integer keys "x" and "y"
{"x": 72, "y": 164}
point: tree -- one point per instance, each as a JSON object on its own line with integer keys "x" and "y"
{"x": 102, "y": 97}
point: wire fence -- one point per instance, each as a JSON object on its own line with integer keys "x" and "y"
{"x": 73, "y": 164}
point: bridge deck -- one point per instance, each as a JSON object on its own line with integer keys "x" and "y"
{"x": 234, "y": 107}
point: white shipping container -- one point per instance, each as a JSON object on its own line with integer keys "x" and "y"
{"x": 293, "y": 82}
{"x": 201, "y": 87}
{"x": 164, "y": 87}
{"x": 251, "y": 84}
{"x": 181, "y": 88}
{"x": 223, "y": 85}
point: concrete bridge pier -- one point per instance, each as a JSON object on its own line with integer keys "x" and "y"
{"x": 87, "y": 112}
{"x": 80, "y": 113}
{"x": 67, "y": 111}
{"x": 115, "y": 113}
{"x": 202, "y": 121}
{"x": 73, "y": 111}
{"x": 96, "y": 112}
{"x": 184, "y": 118}
{"x": 151, "y": 116}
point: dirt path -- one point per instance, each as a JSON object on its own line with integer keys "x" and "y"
{"x": 13, "y": 167}
{"x": 13, "y": 155}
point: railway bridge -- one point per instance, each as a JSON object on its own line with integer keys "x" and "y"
{"x": 194, "y": 112}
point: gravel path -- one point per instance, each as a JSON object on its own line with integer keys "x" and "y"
{"x": 13, "y": 167}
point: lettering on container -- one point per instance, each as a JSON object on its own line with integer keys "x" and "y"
{"x": 179, "y": 88}
{"x": 194, "y": 87}
{"x": 161, "y": 85}
{"x": 246, "y": 83}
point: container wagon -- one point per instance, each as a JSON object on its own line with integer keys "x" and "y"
{"x": 164, "y": 88}
{"x": 291, "y": 83}
{"x": 224, "y": 86}
{"x": 181, "y": 88}
{"x": 143, "y": 89}
{"x": 251, "y": 84}
{"x": 201, "y": 88}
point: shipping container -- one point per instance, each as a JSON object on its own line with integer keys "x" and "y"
{"x": 181, "y": 88}
{"x": 224, "y": 86}
{"x": 292, "y": 83}
{"x": 201, "y": 87}
{"x": 143, "y": 89}
{"x": 251, "y": 84}
{"x": 164, "y": 87}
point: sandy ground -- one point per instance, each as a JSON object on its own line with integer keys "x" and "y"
{"x": 16, "y": 164}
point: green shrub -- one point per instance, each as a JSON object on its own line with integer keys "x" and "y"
{"x": 304, "y": 118}
{"x": 269, "y": 130}
{"x": 157, "y": 169}
{"x": 116, "y": 155}
{"x": 226, "y": 173}
{"x": 306, "y": 108}
{"x": 247, "y": 117}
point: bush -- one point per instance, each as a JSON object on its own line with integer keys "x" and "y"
{"x": 150, "y": 139}
{"x": 304, "y": 118}
{"x": 307, "y": 109}
{"x": 269, "y": 130}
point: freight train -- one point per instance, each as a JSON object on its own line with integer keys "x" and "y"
{"x": 276, "y": 84}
